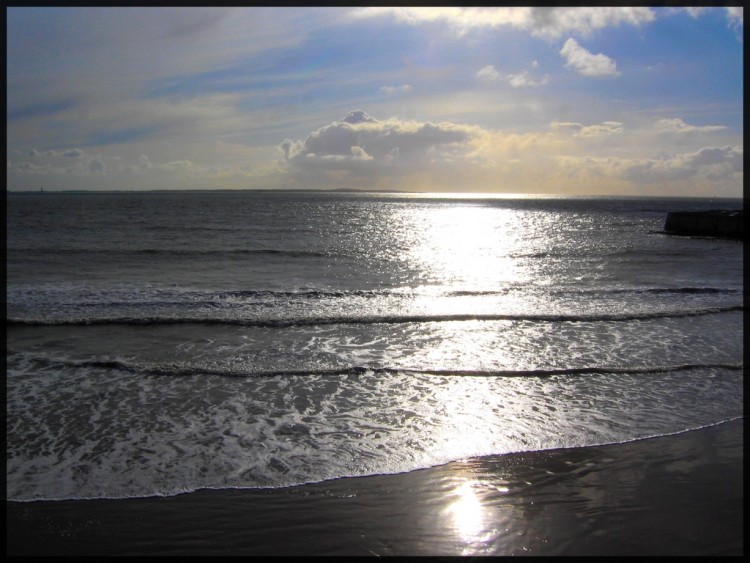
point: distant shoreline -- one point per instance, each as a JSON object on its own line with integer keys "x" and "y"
{"x": 208, "y": 190}
{"x": 473, "y": 195}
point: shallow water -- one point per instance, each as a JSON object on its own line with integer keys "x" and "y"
{"x": 675, "y": 495}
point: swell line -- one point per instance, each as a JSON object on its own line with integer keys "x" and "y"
{"x": 388, "y": 319}
{"x": 164, "y": 252}
{"x": 601, "y": 370}
{"x": 174, "y": 370}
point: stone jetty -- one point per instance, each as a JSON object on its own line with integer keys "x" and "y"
{"x": 714, "y": 223}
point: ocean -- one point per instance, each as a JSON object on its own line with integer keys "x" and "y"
{"x": 166, "y": 342}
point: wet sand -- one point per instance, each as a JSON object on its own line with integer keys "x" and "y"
{"x": 673, "y": 495}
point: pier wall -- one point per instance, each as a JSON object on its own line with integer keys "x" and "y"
{"x": 724, "y": 224}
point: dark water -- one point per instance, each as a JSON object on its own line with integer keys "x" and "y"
{"x": 166, "y": 342}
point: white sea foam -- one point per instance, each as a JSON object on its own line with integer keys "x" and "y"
{"x": 93, "y": 432}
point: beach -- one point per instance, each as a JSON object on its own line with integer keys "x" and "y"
{"x": 672, "y": 495}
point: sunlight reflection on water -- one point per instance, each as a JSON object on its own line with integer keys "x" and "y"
{"x": 467, "y": 512}
{"x": 457, "y": 246}
{"x": 476, "y": 517}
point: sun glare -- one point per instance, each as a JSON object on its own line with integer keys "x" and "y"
{"x": 467, "y": 512}
{"x": 469, "y": 247}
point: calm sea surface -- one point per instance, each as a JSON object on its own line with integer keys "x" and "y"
{"x": 159, "y": 343}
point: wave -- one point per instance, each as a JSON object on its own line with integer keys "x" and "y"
{"x": 312, "y": 294}
{"x": 397, "y": 292}
{"x": 603, "y": 291}
{"x": 386, "y": 319}
{"x": 667, "y": 290}
{"x": 183, "y": 253}
{"x": 696, "y": 290}
{"x": 592, "y": 254}
{"x": 176, "y": 370}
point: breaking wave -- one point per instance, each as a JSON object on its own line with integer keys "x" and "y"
{"x": 385, "y": 319}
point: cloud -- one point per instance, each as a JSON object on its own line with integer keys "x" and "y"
{"x": 566, "y": 127}
{"x": 637, "y": 140}
{"x": 77, "y": 162}
{"x": 736, "y": 21}
{"x": 718, "y": 155}
{"x": 579, "y": 130}
{"x": 25, "y": 167}
{"x": 489, "y": 74}
{"x": 51, "y": 153}
{"x": 76, "y": 74}
{"x": 97, "y": 166}
{"x": 735, "y": 14}
{"x": 711, "y": 163}
{"x": 695, "y": 11}
{"x": 178, "y": 166}
{"x": 650, "y": 159}
{"x": 524, "y": 79}
{"x": 127, "y": 123}
{"x": 720, "y": 162}
{"x": 585, "y": 63}
{"x": 556, "y": 22}
{"x": 72, "y": 161}
{"x": 390, "y": 90}
{"x": 362, "y": 151}
{"x": 142, "y": 164}
{"x": 89, "y": 170}
{"x": 677, "y": 125}
{"x": 374, "y": 152}
{"x": 544, "y": 22}
{"x": 358, "y": 134}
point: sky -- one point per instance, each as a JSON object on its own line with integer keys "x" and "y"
{"x": 571, "y": 101}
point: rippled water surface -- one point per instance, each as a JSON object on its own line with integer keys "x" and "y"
{"x": 165, "y": 342}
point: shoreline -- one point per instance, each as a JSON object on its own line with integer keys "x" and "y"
{"x": 671, "y": 495}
